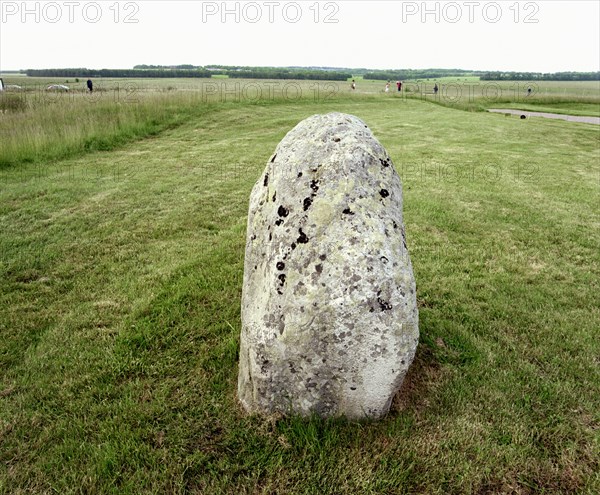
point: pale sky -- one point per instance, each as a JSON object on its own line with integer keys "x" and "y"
{"x": 539, "y": 36}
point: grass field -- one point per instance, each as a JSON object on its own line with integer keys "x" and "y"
{"x": 121, "y": 269}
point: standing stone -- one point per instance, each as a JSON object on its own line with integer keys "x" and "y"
{"x": 329, "y": 311}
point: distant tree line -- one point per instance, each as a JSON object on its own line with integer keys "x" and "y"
{"x": 117, "y": 73}
{"x": 402, "y": 74}
{"x": 539, "y": 76}
{"x": 312, "y": 73}
{"x": 245, "y": 72}
{"x": 156, "y": 71}
{"x": 182, "y": 67}
{"x": 289, "y": 74}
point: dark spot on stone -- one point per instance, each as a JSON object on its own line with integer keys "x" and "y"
{"x": 352, "y": 388}
{"x": 372, "y": 309}
{"x": 347, "y": 211}
{"x": 263, "y": 367}
{"x": 293, "y": 245}
{"x": 384, "y": 193}
{"x": 302, "y": 239}
{"x": 323, "y": 257}
{"x": 253, "y": 237}
{"x": 307, "y": 203}
{"x": 280, "y": 265}
{"x": 311, "y": 385}
{"x": 274, "y": 156}
{"x": 384, "y": 259}
{"x": 282, "y": 211}
{"x": 281, "y": 279}
{"x": 314, "y": 185}
{"x": 274, "y": 196}
{"x": 385, "y": 163}
{"x": 395, "y": 225}
{"x": 279, "y": 292}
{"x": 270, "y": 236}
{"x": 255, "y": 267}
{"x": 336, "y": 139}
{"x": 385, "y": 306}
{"x": 279, "y": 222}
{"x": 266, "y": 181}
{"x": 319, "y": 268}
{"x": 299, "y": 174}
{"x": 403, "y": 362}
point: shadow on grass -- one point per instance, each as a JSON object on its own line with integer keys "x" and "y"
{"x": 425, "y": 374}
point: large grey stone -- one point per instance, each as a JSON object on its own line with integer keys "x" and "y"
{"x": 329, "y": 312}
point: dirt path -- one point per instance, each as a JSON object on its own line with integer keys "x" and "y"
{"x": 570, "y": 118}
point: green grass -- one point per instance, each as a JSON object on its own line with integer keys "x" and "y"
{"x": 39, "y": 127}
{"x": 560, "y": 107}
{"x": 574, "y": 98}
{"x": 120, "y": 287}
{"x": 471, "y": 94}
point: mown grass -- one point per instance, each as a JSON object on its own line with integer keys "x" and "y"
{"x": 120, "y": 306}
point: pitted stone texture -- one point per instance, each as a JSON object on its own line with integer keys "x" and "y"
{"x": 329, "y": 312}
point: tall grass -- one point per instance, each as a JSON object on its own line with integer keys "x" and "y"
{"x": 38, "y": 125}
{"x": 53, "y": 126}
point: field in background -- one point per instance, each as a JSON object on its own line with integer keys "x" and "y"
{"x": 120, "y": 280}
{"x": 39, "y": 125}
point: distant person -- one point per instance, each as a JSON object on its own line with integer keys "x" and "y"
{"x": 435, "y": 89}
{"x": 399, "y": 85}
{"x": 353, "y": 85}
{"x": 529, "y": 91}
{"x": 387, "y": 87}
{"x": 90, "y": 86}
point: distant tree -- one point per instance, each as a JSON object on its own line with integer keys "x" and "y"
{"x": 539, "y": 76}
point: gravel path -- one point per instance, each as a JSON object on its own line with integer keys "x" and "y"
{"x": 570, "y": 118}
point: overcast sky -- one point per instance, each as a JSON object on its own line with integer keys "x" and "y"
{"x": 541, "y": 36}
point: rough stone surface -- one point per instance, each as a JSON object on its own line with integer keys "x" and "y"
{"x": 329, "y": 312}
